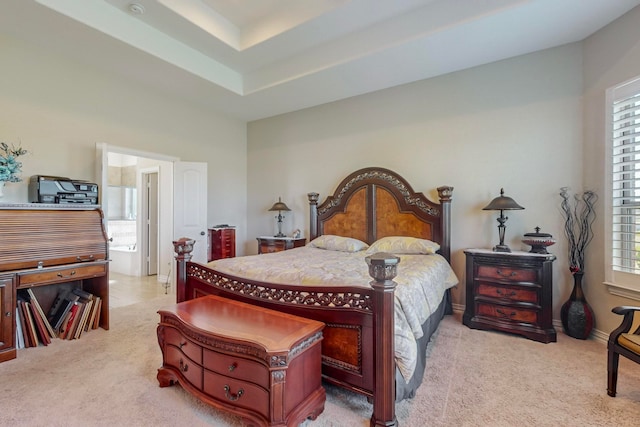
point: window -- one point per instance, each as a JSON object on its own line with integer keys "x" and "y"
{"x": 623, "y": 205}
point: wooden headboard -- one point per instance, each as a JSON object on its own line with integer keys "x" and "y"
{"x": 372, "y": 203}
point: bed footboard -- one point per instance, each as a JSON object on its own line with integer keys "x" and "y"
{"x": 356, "y": 319}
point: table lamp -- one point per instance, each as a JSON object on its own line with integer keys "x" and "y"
{"x": 502, "y": 203}
{"x": 279, "y": 206}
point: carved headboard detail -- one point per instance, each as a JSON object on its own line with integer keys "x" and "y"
{"x": 372, "y": 203}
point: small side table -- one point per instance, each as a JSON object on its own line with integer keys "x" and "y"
{"x": 269, "y": 244}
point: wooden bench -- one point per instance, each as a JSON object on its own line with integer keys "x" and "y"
{"x": 260, "y": 364}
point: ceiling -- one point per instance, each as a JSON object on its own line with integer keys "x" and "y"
{"x": 253, "y": 59}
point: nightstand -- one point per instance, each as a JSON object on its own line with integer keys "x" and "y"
{"x": 268, "y": 244}
{"x": 510, "y": 292}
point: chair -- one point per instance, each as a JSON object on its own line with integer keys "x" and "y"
{"x": 622, "y": 342}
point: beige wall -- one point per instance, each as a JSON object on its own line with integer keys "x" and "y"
{"x": 515, "y": 124}
{"x": 531, "y": 124}
{"x": 611, "y": 56}
{"x": 58, "y": 109}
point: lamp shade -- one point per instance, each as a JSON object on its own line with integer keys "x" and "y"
{"x": 502, "y": 203}
{"x": 279, "y": 206}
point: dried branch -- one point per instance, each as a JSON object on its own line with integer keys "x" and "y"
{"x": 579, "y": 218}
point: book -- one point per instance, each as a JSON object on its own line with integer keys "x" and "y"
{"x": 29, "y": 326}
{"x": 19, "y": 334}
{"x": 94, "y": 314}
{"x": 41, "y": 330}
{"x": 86, "y": 302}
{"x": 68, "y": 301}
{"x": 82, "y": 294}
{"x": 33, "y": 300}
{"x": 83, "y": 319}
{"x": 57, "y": 302}
{"x": 96, "y": 320}
{"x": 68, "y": 320}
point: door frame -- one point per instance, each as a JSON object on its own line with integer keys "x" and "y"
{"x": 166, "y": 219}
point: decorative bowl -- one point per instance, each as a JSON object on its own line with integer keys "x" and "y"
{"x": 538, "y": 241}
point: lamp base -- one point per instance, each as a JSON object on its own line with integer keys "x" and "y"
{"x": 501, "y": 248}
{"x": 280, "y": 235}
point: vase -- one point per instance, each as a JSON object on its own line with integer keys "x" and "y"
{"x": 1, "y": 188}
{"x": 576, "y": 314}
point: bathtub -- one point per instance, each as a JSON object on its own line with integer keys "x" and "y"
{"x": 124, "y": 260}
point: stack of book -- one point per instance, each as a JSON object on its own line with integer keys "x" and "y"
{"x": 73, "y": 312}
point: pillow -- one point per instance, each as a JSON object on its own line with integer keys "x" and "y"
{"x": 338, "y": 243}
{"x": 403, "y": 245}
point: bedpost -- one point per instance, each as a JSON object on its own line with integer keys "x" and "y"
{"x": 383, "y": 269}
{"x": 182, "y": 248}
{"x": 444, "y": 193}
{"x": 313, "y": 215}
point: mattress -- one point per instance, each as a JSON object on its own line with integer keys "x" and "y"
{"x": 422, "y": 281}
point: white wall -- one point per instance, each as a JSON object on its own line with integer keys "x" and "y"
{"x": 515, "y": 124}
{"x": 58, "y": 109}
{"x": 611, "y": 56}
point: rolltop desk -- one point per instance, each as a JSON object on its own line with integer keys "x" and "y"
{"x": 45, "y": 247}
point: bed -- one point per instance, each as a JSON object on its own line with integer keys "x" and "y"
{"x": 371, "y": 205}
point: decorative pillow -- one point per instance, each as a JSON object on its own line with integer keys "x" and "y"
{"x": 338, "y": 243}
{"x": 403, "y": 245}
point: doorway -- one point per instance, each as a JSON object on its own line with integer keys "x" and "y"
{"x": 149, "y": 215}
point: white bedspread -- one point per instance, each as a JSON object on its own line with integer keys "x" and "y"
{"x": 422, "y": 281}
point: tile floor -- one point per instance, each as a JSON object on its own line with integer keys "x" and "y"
{"x": 126, "y": 290}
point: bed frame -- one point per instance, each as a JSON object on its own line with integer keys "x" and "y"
{"x": 369, "y": 204}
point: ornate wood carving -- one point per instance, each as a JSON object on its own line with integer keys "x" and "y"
{"x": 302, "y": 296}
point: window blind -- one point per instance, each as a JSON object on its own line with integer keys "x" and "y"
{"x": 626, "y": 180}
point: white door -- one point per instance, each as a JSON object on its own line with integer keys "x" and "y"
{"x": 190, "y": 206}
{"x": 150, "y": 222}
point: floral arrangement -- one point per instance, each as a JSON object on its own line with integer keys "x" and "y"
{"x": 578, "y": 219}
{"x": 9, "y": 166}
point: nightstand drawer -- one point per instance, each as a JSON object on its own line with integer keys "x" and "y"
{"x": 510, "y": 314}
{"x": 508, "y": 293}
{"x": 507, "y": 273}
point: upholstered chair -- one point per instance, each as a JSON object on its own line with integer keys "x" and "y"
{"x": 622, "y": 341}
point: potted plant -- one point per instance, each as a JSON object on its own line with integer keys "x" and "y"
{"x": 10, "y": 167}
{"x": 579, "y": 214}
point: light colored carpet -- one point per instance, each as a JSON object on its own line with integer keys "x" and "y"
{"x": 473, "y": 378}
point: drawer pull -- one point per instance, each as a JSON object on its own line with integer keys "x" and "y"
{"x": 72, "y": 274}
{"x": 503, "y": 314}
{"x": 85, "y": 259}
{"x": 231, "y": 396}
{"x": 233, "y": 366}
{"x": 510, "y": 294}
{"x": 183, "y": 366}
{"x": 508, "y": 276}
{"x": 182, "y": 344}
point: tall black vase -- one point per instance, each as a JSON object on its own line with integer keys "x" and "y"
{"x": 576, "y": 314}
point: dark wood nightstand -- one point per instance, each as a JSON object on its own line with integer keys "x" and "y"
{"x": 268, "y": 244}
{"x": 510, "y": 292}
